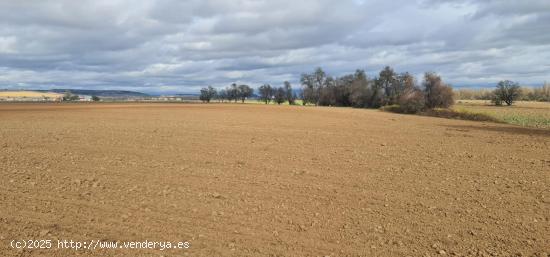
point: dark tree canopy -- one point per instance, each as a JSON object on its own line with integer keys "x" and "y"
{"x": 507, "y": 91}
{"x": 289, "y": 94}
{"x": 312, "y": 85}
{"x": 437, "y": 93}
{"x": 388, "y": 82}
{"x": 68, "y": 96}
{"x": 222, "y": 95}
{"x": 390, "y": 88}
{"x": 244, "y": 92}
{"x": 266, "y": 92}
{"x": 279, "y": 95}
{"x": 207, "y": 94}
{"x": 358, "y": 90}
{"x": 308, "y": 91}
{"x": 232, "y": 92}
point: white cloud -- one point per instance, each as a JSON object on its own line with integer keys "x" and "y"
{"x": 160, "y": 45}
{"x": 8, "y": 45}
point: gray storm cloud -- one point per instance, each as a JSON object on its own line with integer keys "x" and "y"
{"x": 180, "y": 46}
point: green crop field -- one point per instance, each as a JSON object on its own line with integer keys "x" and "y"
{"x": 527, "y": 114}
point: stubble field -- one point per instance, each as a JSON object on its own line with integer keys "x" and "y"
{"x": 254, "y": 180}
{"x": 29, "y": 94}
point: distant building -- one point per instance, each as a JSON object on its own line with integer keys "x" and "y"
{"x": 170, "y": 98}
{"x": 84, "y": 98}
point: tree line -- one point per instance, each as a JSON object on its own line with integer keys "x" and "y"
{"x": 68, "y": 97}
{"x": 497, "y": 95}
{"x": 235, "y": 92}
{"x": 401, "y": 91}
{"x": 353, "y": 90}
{"x": 278, "y": 95}
{"x": 388, "y": 88}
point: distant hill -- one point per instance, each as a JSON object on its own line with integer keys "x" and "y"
{"x": 190, "y": 94}
{"x": 100, "y": 93}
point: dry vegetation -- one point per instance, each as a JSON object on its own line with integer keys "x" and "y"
{"x": 538, "y": 94}
{"x": 528, "y": 114}
{"x": 28, "y": 94}
{"x": 264, "y": 180}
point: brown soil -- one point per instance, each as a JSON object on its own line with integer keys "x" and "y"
{"x": 254, "y": 180}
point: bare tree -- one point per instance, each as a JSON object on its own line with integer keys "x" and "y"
{"x": 437, "y": 93}
{"x": 360, "y": 93}
{"x": 279, "y": 95}
{"x": 408, "y": 81}
{"x": 232, "y": 93}
{"x": 289, "y": 94}
{"x": 266, "y": 92}
{"x": 320, "y": 80}
{"x": 412, "y": 101}
{"x": 308, "y": 91}
{"x": 222, "y": 95}
{"x": 327, "y": 94}
{"x": 312, "y": 85}
{"x": 244, "y": 91}
{"x": 376, "y": 98}
{"x": 207, "y": 94}
{"x": 507, "y": 91}
{"x": 388, "y": 81}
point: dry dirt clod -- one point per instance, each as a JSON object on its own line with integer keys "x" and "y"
{"x": 217, "y": 195}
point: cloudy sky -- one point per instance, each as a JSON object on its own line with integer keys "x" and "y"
{"x": 173, "y": 46}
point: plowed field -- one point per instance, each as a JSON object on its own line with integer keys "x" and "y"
{"x": 254, "y": 180}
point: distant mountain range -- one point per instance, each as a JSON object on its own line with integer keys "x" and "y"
{"x": 100, "y": 93}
